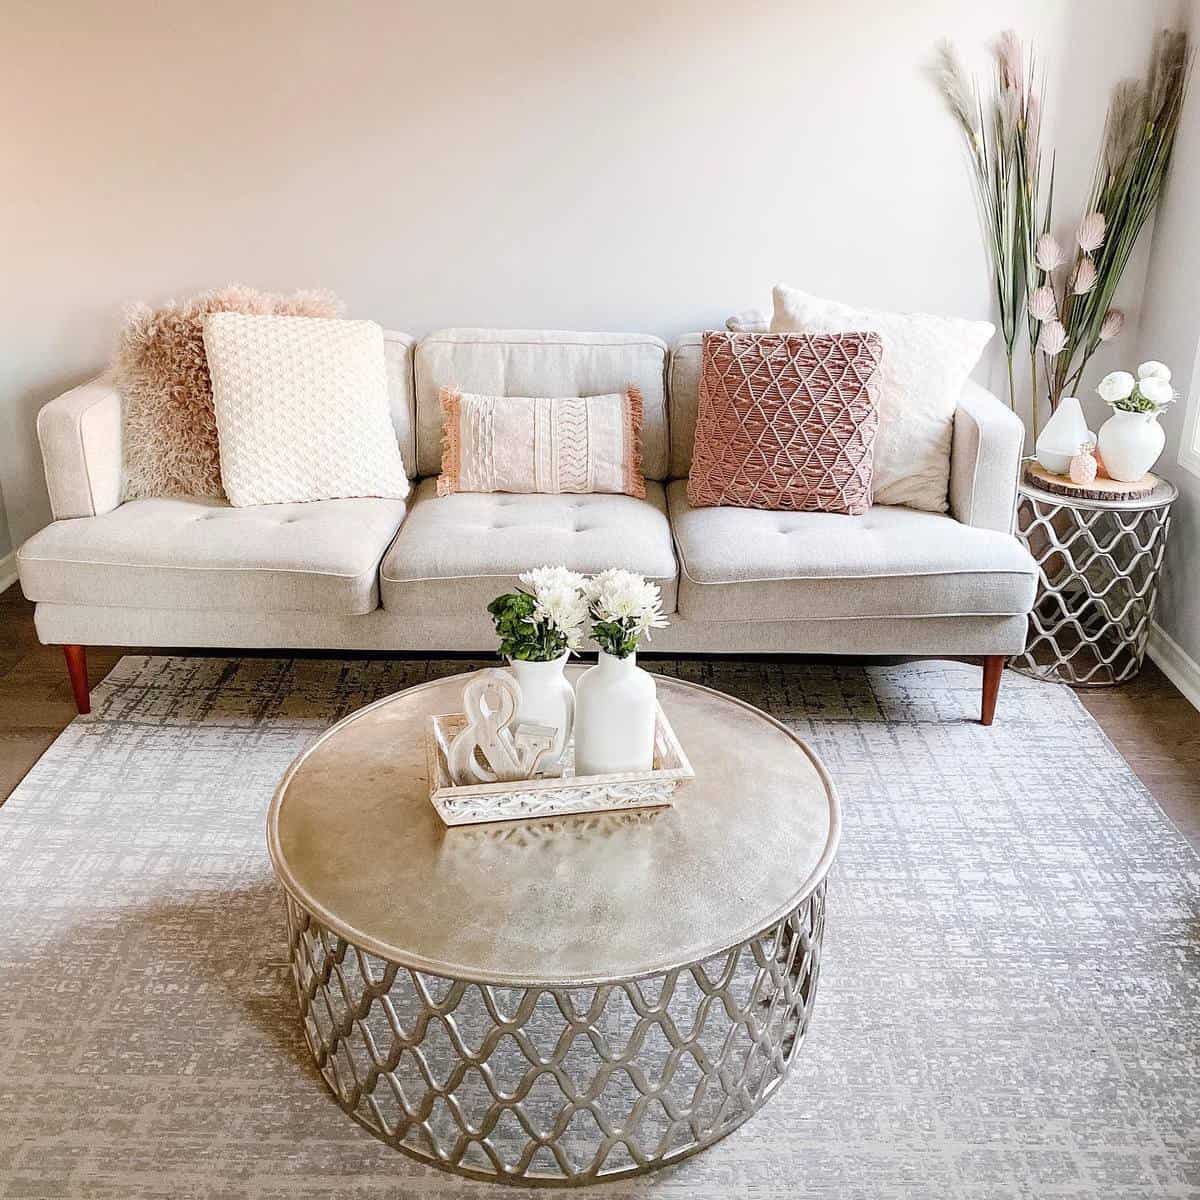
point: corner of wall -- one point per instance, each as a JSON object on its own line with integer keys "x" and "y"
{"x": 1175, "y": 663}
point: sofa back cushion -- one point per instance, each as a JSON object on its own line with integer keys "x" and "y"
{"x": 519, "y": 362}
{"x": 397, "y": 357}
{"x": 683, "y": 383}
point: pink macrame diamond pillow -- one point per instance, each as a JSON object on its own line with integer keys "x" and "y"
{"x": 786, "y": 421}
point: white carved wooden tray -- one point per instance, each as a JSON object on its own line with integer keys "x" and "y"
{"x": 552, "y": 796}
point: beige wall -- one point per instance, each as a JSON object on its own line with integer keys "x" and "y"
{"x": 5, "y": 537}
{"x": 1171, "y": 333}
{"x": 632, "y": 165}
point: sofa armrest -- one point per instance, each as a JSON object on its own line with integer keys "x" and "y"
{"x": 985, "y": 460}
{"x": 80, "y": 436}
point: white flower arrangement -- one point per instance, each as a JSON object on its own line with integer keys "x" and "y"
{"x": 548, "y": 616}
{"x": 560, "y": 599}
{"x": 545, "y": 619}
{"x": 624, "y": 608}
{"x": 1150, "y": 392}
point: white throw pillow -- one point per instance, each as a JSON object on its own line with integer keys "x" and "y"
{"x": 302, "y": 409}
{"x": 926, "y": 362}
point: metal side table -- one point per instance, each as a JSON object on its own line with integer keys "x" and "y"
{"x": 1098, "y": 564}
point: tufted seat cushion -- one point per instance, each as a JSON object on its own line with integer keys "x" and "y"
{"x": 193, "y": 553}
{"x": 740, "y": 564}
{"x": 455, "y": 553}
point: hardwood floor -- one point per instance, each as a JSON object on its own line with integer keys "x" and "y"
{"x": 1151, "y": 724}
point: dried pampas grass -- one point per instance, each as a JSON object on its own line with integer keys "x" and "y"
{"x": 170, "y": 433}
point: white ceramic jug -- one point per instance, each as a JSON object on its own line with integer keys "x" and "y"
{"x": 546, "y": 699}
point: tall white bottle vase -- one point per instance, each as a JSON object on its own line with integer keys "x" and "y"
{"x": 615, "y": 716}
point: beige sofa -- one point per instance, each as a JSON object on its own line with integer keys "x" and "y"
{"x": 390, "y": 575}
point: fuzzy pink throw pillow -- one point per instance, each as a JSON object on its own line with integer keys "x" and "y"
{"x": 170, "y": 433}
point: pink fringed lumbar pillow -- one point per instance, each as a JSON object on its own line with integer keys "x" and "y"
{"x": 535, "y": 444}
{"x": 786, "y": 421}
{"x": 170, "y": 432}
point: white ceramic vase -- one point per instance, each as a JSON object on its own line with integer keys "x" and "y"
{"x": 615, "y": 717}
{"x": 1130, "y": 443}
{"x": 1064, "y": 435}
{"x": 546, "y": 699}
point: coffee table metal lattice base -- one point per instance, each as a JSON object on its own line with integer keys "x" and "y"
{"x": 557, "y": 1084}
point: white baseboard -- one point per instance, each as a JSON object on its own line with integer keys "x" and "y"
{"x": 8, "y": 571}
{"x": 1175, "y": 663}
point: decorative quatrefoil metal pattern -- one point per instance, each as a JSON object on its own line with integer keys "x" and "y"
{"x": 558, "y": 1084}
{"x": 1098, "y": 577}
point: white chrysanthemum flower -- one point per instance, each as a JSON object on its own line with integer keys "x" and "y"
{"x": 565, "y": 609}
{"x": 560, "y": 602}
{"x": 1116, "y": 385}
{"x": 1153, "y": 369}
{"x": 627, "y": 599}
{"x": 548, "y": 577}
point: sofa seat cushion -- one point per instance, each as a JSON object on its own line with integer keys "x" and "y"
{"x": 456, "y": 553}
{"x": 740, "y": 564}
{"x": 198, "y": 553}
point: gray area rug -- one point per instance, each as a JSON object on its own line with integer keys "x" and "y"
{"x": 1009, "y": 1001}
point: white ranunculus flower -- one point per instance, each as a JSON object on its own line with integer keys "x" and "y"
{"x": 1157, "y": 390}
{"x": 1117, "y": 385}
{"x": 1154, "y": 370}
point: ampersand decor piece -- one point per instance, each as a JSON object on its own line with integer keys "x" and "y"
{"x": 485, "y": 751}
{"x": 492, "y": 748}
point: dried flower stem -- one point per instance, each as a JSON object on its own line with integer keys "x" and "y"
{"x": 1140, "y": 130}
{"x": 995, "y": 136}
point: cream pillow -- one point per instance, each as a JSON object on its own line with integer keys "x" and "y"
{"x": 926, "y": 362}
{"x": 552, "y": 446}
{"x": 302, "y": 409}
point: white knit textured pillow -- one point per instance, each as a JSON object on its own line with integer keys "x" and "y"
{"x": 926, "y": 362}
{"x": 302, "y": 409}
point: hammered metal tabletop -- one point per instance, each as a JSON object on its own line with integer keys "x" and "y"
{"x": 355, "y": 841}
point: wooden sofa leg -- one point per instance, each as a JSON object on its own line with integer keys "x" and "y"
{"x": 993, "y": 668}
{"x": 77, "y": 668}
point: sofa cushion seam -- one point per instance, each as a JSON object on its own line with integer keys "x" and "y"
{"x": 983, "y": 571}
{"x": 97, "y": 562}
{"x": 436, "y": 341}
{"x": 935, "y": 616}
{"x": 385, "y": 578}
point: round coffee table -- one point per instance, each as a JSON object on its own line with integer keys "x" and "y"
{"x": 559, "y": 1001}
